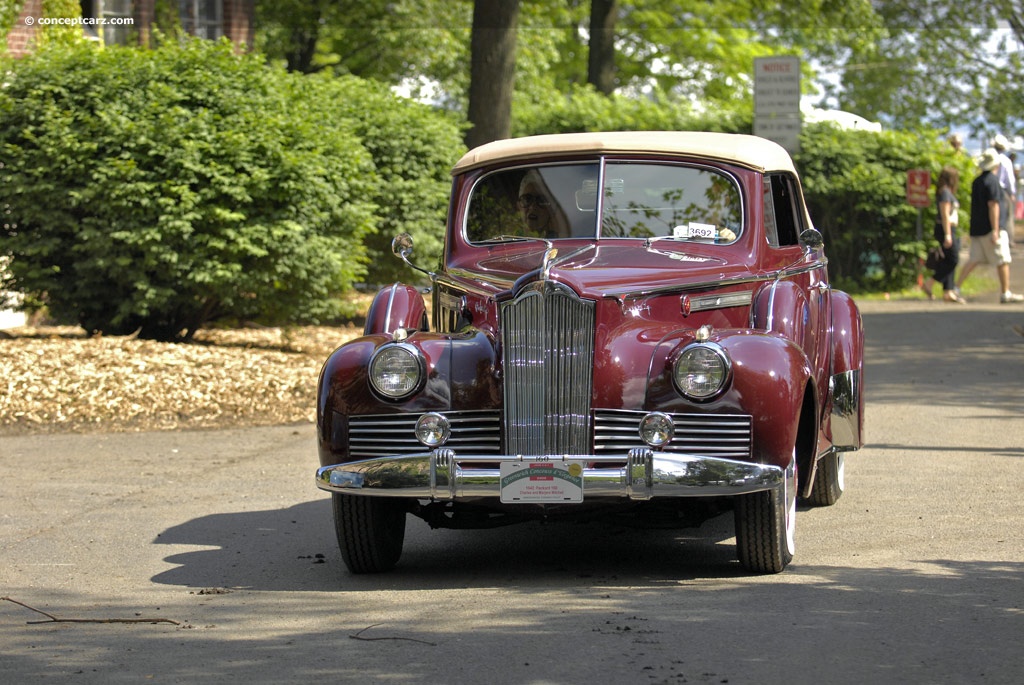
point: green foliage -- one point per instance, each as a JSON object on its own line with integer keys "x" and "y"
{"x": 160, "y": 190}
{"x": 9, "y": 11}
{"x": 584, "y": 109}
{"x": 413, "y": 148}
{"x": 60, "y": 34}
{"x": 855, "y": 186}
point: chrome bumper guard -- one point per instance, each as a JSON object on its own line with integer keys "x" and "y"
{"x": 440, "y": 475}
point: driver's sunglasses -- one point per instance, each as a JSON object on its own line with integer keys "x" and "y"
{"x": 536, "y": 200}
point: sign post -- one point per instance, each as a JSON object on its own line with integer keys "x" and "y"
{"x": 918, "y": 183}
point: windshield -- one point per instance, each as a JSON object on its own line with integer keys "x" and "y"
{"x": 638, "y": 200}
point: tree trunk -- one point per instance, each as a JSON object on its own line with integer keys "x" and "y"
{"x": 601, "y": 58}
{"x": 492, "y": 70}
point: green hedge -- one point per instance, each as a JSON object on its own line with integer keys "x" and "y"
{"x": 161, "y": 190}
{"x": 414, "y": 148}
{"x": 855, "y": 187}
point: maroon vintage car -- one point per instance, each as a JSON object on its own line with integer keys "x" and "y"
{"x": 631, "y": 324}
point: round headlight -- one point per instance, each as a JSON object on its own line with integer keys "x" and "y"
{"x": 702, "y": 370}
{"x": 396, "y": 370}
{"x": 433, "y": 429}
{"x": 657, "y": 429}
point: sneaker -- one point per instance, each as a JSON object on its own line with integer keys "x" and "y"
{"x": 1008, "y": 297}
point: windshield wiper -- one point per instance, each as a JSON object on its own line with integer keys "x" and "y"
{"x": 513, "y": 239}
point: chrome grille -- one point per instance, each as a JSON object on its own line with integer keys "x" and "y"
{"x": 729, "y": 436}
{"x": 548, "y": 349}
{"x": 382, "y": 435}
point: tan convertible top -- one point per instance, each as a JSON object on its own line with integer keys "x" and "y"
{"x": 752, "y": 152}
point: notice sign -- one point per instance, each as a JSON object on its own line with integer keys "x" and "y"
{"x": 776, "y": 86}
{"x": 919, "y": 181}
{"x": 777, "y": 100}
{"x": 541, "y": 481}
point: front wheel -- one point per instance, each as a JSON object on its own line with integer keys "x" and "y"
{"x": 829, "y": 480}
{"x": 370, "y": 531}
{"x": 765, "y": 527}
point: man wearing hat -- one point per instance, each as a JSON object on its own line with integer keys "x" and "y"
{"x": 1007, "y": 181}
{"x": 989, "y": 243}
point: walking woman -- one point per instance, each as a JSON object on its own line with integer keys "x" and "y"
{"x": 946, "y": 235}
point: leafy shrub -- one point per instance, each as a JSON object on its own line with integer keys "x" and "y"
{"x": 584, "y": 109}
{"x": 160, "y": 190}
{"x": 413, "y": 147}
{"x": 855, "y": 186}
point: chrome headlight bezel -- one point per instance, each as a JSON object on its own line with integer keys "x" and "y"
{"x": 396, "y": 370}
{"x": 702, "y": 371}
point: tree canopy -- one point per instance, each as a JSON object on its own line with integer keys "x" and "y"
{"x": 907, "y": 63}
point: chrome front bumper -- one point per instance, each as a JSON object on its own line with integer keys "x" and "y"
{"x": 442, "y": 475}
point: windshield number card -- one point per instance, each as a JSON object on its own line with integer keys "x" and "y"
{"x": 695, "y": 230}
{"x": 544, "y": 482}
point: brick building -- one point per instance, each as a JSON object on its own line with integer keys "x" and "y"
{"x": 204, "y": 18}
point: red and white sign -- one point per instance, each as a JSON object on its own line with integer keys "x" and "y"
{"x": 919, "y": 182}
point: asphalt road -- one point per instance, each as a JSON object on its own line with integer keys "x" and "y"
{"x": 915, "y": 576}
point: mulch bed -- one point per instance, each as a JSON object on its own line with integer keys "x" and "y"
{"x": 58, "y": 379}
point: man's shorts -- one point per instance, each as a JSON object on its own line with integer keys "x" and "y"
{"x": 984, "y": 252}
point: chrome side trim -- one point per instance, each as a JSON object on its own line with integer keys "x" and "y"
{"x": 700, "y": 303}
{"x": 639, "y": 474}
{"x": 387, "y": 313}
{"x": 845, "y": 389}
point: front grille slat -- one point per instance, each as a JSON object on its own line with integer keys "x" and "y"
{"x": 548, "y": 351}
{"x": 379, "y": 435}
{"x": 728, "y": 436}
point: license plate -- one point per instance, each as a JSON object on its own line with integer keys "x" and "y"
{"x": 541, "y": 482}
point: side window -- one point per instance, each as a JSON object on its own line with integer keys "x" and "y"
{"x": 785, "y": 211}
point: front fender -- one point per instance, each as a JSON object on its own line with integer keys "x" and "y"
{"x": 461, "y": 375}
{"x": 396, "y": 306}
{"x": 771, "y": 376}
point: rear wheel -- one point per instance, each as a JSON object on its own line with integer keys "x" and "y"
{"x": 370, "y": 530}
{"x": 829, "y": 480}
{"x": 765, "y": 527}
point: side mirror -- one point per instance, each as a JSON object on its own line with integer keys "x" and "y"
{"x": 811, "y": 240}
{"x": 402, "y": 245}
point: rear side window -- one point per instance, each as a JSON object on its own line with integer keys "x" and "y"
{"x": 782, "y": 211}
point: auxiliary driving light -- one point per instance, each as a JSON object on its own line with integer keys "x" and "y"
{"x": 657, "y": 429}
{"x": 433, "y": 429}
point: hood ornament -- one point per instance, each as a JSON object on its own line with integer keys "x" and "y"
{"x": 545, "y": 267}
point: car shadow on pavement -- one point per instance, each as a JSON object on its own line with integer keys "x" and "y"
{"x": 294, "y": 549}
